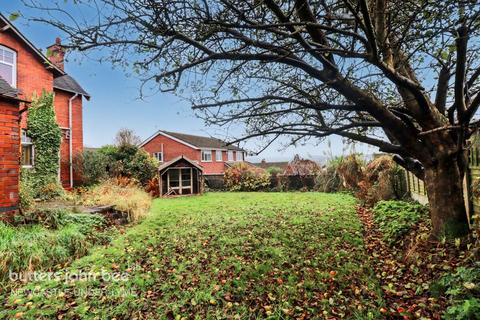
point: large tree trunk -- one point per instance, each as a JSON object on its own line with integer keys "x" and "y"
{"x": 444, "y": 184}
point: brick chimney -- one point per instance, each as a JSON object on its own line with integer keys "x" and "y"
{"x": 56, "y": 53}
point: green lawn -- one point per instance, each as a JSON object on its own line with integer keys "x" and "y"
{"x": 222, "y": 255}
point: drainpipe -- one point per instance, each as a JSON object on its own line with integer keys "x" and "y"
{"x": 70, "y": 141}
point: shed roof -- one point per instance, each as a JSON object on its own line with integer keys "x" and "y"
{"x": 173, "y": 161}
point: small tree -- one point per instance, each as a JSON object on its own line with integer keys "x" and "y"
{"x": 125, "y": 137}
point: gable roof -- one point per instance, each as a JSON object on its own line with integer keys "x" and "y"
{"x": 193, "y": 141}
{"x": 62, "y": 80}
{"x": 37, "y": 52}
{"x": 182, "y": 157}
{"x": 67, "y": 83}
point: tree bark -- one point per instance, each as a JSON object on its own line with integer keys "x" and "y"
{"x": 444, "y": 185}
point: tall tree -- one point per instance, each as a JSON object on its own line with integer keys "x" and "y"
{"x": 399, "y": 75}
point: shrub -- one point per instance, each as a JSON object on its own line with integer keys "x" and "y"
{"x": 153, "y": 188}
{"x": 92, "y": 165}
{"x": 300, "y": 174}
{"x": 382, "y": 180}
{"x": 128, "y": 161}
{"x": 351, "y": 172}
{"x": 128, "y": 198}
{"x": 396, "y": 218}
{"x": 141, "y": 166}
{"x": 244, "y": 177}
{"x": 462, "y": 289}
{"x": 328, "y": 179}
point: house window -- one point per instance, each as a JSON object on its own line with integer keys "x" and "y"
{"x": 230, "y": 155}
{"x": 28, "y": 152}
{"x": 239, "y": 156}
{"x": 158, "y": 156}
{"x": 218, "y": 155}
{"x": 8, "y": 66}
{"x": 206, "y": 155}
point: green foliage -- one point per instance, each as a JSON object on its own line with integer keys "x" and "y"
{"x": 33, "y": 247}
{"x": 123, "y": 161}
{"x": 141, "y": 167}
{"x": 328, "y": 179}
{"x": 224, "y": 255}
{"x": 396, "y": 218}
{"x": 244, "y": 177}
{"x": 26, "y": 192}
{"x": 46, "y": 137}
{"x": 92, "y": 165}
{"x": 274, "y": 170}
{"x": 463, "y": 291}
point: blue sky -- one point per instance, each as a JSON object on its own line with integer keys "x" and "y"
{"x": 115, "y": 103}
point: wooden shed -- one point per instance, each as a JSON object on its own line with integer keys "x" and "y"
{"x": 180, "y": 176}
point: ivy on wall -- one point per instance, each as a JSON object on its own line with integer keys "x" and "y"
{"x": 46, "y": 135}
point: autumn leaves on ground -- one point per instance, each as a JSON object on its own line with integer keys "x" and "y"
{"x": 221, "y": 255}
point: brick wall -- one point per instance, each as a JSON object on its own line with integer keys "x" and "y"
{"x": 32, "y": 78}
{"x": 173, "y": 149}
{"x": 9, "y": 157}
{"x": 61, "y": 110}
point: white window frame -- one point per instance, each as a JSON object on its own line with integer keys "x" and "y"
{"x": 230, "y": 155}
{"x": 12, "y": 64}
{"x": 27, "y": 142}
{"x": 158, "y": 156}
{"x": 204, "y": 155}
{"x": 218, "y": 155}
{"x": 238, "y": 155}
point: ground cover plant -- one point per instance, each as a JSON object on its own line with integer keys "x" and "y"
{"x": 54, "y": 240}
{"x": 396, "y": 218}
{"x": 222, "y": 255}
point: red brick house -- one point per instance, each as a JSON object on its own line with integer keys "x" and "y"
{"x": 25, "y": 71}
{"x": 212, "y": 154}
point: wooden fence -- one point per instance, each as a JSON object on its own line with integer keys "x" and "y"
{"x": 417, "y": 190}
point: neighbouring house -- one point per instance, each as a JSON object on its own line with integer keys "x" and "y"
{"x": 27, "y": 71}
{"x": 213, "y": 155}
{"x": 266, "y": 164}
{"x": 180, "y": 176}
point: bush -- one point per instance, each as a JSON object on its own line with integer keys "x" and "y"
{"x": 92, "y": 165}
{"x": 141, "y": 167}
{"x": 328, "y": 179}
{"x": 382, "y": 180}
{"x": 462, "y": 289}
{"x": 244, "y": 177}
{"x": 396, "y": 218}
{"x": 351, "y": 172}
{"x": 128, "y": 198}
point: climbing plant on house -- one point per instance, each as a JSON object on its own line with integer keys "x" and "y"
{"x": 46, "y": 136}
